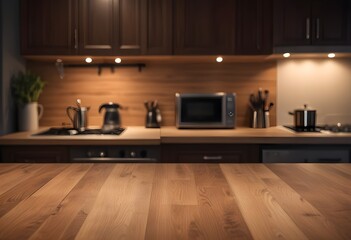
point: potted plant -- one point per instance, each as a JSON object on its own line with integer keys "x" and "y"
{"x": 27, "y": 88}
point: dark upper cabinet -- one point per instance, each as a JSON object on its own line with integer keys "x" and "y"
{"x": 48, "y": 26}
{"x": 332, "y": 21}
{"x": 129, "y": 27}
{"x": 157, "y": 27}
{"x": 312, "y": 22}
{"x": 97, "y": 26}
{"x": 110, "y": 27}
{"x": 204, "y": 27}
{"x": 254, "y": 27}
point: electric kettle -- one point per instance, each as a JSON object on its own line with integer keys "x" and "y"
{"x": 111, "y": 119}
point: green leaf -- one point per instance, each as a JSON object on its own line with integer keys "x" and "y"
{"x": 27, "y": 87}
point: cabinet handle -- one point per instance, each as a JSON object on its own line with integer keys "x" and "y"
{"x": 111, "y": 159}
{"x": 258, "y": 35}
{"x": 76, "y": 38}
{"x": 307, "y": 28}
{"x": 317, "y": 28}
{"x": 212, "y": 158}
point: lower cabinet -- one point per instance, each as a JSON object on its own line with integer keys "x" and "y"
{"x": 34, "y": 154}
{"x": 210, "y": 153}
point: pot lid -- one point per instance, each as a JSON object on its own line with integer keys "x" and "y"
{"x": 306, "y": 108}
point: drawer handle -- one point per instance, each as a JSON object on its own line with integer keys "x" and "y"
{"x": 212, "y": 157}
{"x": 112, "y": 159}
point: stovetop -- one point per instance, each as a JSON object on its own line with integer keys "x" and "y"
{"x": 334, "y": 128}
{"x": 72, "y": 131}
{"x": 295, "y": 129}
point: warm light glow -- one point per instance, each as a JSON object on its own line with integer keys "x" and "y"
{"x": 286, "y": 55}
{"x": 118, "y": 60}
{"x": 331, "y": 55}
{"x": 88, "y": 60}
{"x": 219, "y": 59}
{"x": 59, "y": 60}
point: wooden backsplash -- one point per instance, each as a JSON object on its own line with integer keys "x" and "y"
{"x": 159, "y": 80}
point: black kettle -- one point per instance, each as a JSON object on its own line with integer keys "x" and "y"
{"x": 112, "y": 119}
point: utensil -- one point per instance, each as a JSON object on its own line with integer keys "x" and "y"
{"x": 79, "y": 103}
{"x": 304, "y": 118}
{"x": 265, "y": 98}
{"x": 260, "y": 108}
{"x": 270, "y": 106}
{"x": 153, "y": 114}
{"x": 260, "y": 99}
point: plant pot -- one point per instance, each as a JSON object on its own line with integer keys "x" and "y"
{"x": 29, "y": 115}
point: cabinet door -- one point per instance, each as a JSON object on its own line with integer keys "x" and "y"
{"x": 129, "y": 27}
{"x": 210, "y": 153}
{"x": 97, "y": 26}
{"x": 292, "y": 22}
{"x": 204, "y": 27}
{"x": 48, "y": 26}
{"x": 157, "y": 27}
{"x": 331, "y": 22}
{"x": 34, "y": 154}
{"x": 110, "y": 27}
{"x": 254, "y": 27}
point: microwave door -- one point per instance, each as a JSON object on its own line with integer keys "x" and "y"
{"x": 202, "y": 112}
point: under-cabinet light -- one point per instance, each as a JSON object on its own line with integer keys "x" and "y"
{"x": 219, "y": 59}
{"x": 331, "y": 55}
{"x": 88, "y": 60}
{"x": 286, "y": 55}
{"x": 118, "y": 60}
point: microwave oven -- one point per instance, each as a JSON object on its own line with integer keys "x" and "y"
{"x": 205, "y": 110}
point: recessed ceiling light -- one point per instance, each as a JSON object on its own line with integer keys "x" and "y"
{"x": 286, "y": 55}
{"x": 219, "y": 59}
{"x": 331, "y": 55}
{"x": 88, "y": 60}
{"x": 118, "y": 60}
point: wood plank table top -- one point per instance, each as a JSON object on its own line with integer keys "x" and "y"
{"x": 175, "y": 201}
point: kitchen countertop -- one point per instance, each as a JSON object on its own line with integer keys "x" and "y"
{"x": 272, "y": 135}
{"x": 175, "y": 201}
{"x": 148, "y": 136}
{"x": 131, "y": 136}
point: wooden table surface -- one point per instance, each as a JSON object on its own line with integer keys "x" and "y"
{"x": 175, "y": 201}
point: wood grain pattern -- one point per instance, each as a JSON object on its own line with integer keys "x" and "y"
{"x": 27, "y": 216}
{"x": 175, "y": 201}
{"x": 333, "y": 200}
{"x": 122, "y": 206}
{"x": 159, "y": 80}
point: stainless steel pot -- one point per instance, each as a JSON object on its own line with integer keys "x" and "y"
{"x": 304, "y": 118}
{"x": 79, "y": 118}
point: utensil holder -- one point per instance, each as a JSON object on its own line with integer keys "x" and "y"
{"x": 260, "y": 119}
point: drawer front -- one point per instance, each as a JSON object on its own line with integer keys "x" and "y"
{"x": 210, "y": 153}
{"x": 34, "y": 154}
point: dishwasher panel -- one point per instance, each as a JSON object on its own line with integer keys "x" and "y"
{"x": 305, "y": 156}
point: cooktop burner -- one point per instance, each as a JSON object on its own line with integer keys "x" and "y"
{"x": 344, "y": 128}
{"x": 72, "y": 131}
{"x": 335, "y": 128}
{"x": 310, "y": 129}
